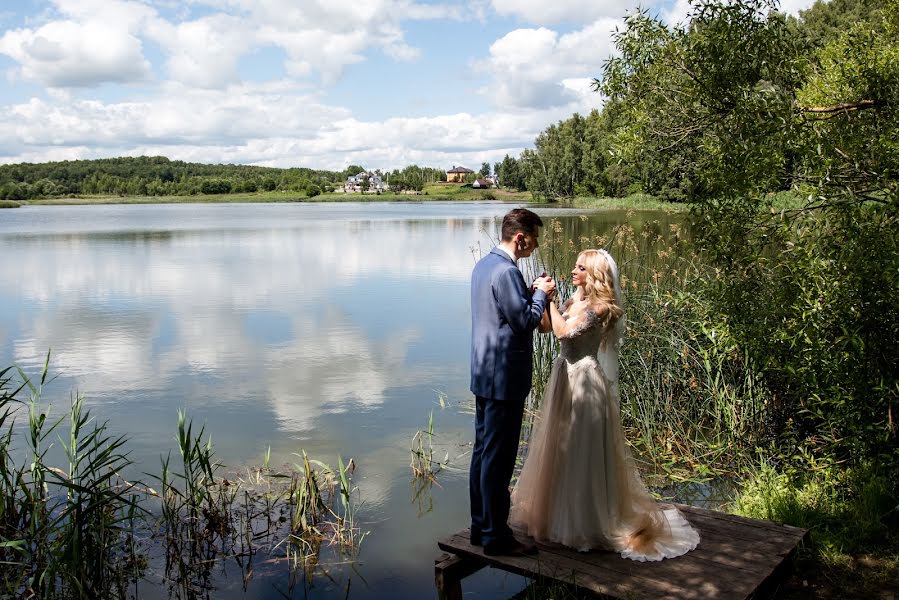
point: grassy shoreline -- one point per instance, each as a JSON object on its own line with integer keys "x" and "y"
{"x": 432, "y": 193}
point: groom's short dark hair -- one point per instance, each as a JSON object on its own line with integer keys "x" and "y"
{"x": 520, "y": 219}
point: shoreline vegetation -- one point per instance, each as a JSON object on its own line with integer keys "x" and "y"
{"x": 705, "y": 417}
{"x": 436, "y": 193}
{"x": 81, "y": 530}
{"x": 636, "y": 201}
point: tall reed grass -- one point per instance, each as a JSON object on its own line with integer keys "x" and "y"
{"x": 79, "y": 529}
{"x": 63, "y": 533}
{"x": 690, "y": 401}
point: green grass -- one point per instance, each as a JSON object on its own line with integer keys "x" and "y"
{"x": 429, "y": 194}
{"x": 197, "y": 199}
{"x": 786, "y": 200}
{"x": 634, "y": 201}
{"x": 853, "y": 518}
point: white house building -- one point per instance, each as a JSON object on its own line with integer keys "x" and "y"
{"x": 354, "y": 182}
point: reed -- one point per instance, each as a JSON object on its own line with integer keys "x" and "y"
{"x": 81, "y": 530}
{"x": 689, "y": 401}
{"x": 423, "y": 463}
{"x": 64, "y": 533}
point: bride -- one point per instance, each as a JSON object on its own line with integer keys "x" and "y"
{"x": 578, "y": 486}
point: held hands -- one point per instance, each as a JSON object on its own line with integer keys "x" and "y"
{"x": 546, "y": 284}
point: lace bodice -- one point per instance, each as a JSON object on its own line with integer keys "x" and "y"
{"x": 583, "y": 337}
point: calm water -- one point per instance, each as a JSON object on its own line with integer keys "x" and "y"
{"x": 325, "y": 327}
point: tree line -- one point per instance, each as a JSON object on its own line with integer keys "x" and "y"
{"x": 159, "y": 176}
{"x": 649, "y": 138}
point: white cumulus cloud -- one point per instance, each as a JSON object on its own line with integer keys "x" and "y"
{"x": 573, "y": 11}
{"x": 71, "y": 54}
{"x": 529, "y": 68}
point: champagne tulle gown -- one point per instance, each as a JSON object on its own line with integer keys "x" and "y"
{"x": 579, "y": 486}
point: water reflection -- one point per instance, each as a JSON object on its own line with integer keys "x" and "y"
{"x": 323, "y": 327}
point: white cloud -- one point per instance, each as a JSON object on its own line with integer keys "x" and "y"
{"x": 203, "y": 52}
{"x": 177, "y": 115}
{"x": 322, "y": 36}
{"x": 70, "y": 54}
{"x": 529, "y": 67}
{"x": 280, "y": 127}
{"x": 572, "y": 11}
{"x": 676, "y": 13}
{"x": 97, "y": 41}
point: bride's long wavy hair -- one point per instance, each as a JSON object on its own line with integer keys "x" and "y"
{"x": 599, "y": 289}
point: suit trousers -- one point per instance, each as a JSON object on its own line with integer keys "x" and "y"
{"x": 497, "y": 431}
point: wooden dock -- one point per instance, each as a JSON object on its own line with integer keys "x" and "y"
{"x": 736, "y": 558}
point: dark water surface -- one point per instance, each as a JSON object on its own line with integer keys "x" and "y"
{"x": 325, "y": 327}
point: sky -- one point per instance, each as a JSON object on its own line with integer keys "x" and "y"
{"x": 301, "y": 83}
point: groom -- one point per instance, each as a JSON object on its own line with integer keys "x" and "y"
{"x": 504, "y": 314}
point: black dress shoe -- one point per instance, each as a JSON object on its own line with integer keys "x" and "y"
{"x": 474, "y": 537}
{"x": 510, "y": 548}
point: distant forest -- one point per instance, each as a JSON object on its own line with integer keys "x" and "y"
{"x": 159, "y": 176}
{"x": 771, "y": 83}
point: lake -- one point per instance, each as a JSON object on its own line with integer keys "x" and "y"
{"x": 330, "y": 328}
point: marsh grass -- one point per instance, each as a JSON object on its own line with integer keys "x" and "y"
{"x": 634, "y": 201}
{"x": 691, "y": 403}
{"x": 423, "y": 463}
{"x": 210, "y": 519}
{"x": 65, "y": 533}
{"x": 79, "y": 529}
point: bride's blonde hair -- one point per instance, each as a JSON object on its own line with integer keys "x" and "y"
{"x": 599, "y": 289}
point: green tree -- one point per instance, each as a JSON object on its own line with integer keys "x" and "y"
{"x": 510, "y": 174}
{"x": 734, "y": 107}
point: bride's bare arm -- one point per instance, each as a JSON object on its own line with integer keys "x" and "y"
{"x": 559, "y": 324}
{"x": 545, "y": 325}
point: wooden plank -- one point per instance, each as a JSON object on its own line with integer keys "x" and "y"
{"x": 747, "y": 521}
{"x": 745, "y": 564}
{"x": 688, "y": 572}
{"x": 618, "y": 578}
{"x": 449, "y": 571}
{"x": 736, "y": 558}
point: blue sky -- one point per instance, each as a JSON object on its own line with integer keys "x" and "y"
{"x": 313, "y": 83}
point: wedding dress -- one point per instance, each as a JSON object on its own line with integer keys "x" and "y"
{"x": 579, "y": 486}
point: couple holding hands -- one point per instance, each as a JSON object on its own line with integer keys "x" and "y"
{"x": 579, "y": 486}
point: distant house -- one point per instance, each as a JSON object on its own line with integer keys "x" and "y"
{"x": 482, "y": 183}
{"x": 457, "y": 174}
{"x": 354, "y": 182}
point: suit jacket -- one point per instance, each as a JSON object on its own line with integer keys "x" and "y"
{"x": 504, "y": 315}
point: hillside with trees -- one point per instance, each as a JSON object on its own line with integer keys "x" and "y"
{"x": 159, "y": 176}
{"x": 153, "y": 176}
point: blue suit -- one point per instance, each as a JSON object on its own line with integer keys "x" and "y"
{"x": 504, "y": 314}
